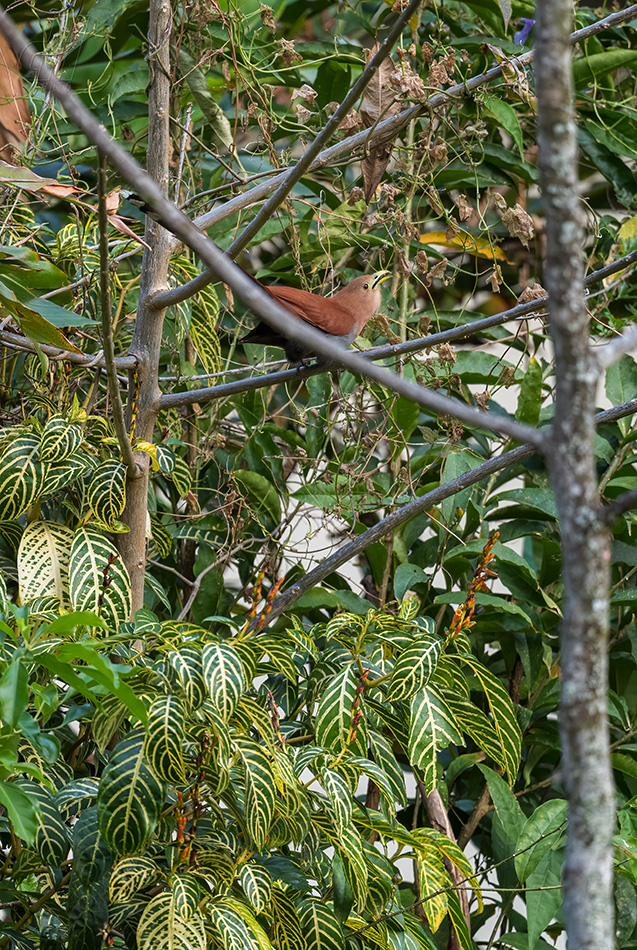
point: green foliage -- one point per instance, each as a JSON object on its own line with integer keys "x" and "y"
{"x": 177, "y": 779}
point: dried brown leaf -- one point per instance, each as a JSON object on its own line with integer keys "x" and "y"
{"x": 379, "y": 102}
{"x": 15, "y": 117}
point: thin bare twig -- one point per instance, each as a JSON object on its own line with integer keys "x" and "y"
{"x": 383, "y": 131}
{"x": 257, "y": 299}
{"x": 532, "y": 307}
{"x": 618, "y": 507}
{"x": 348, "y": 551}
{"x": 117, "y": 409}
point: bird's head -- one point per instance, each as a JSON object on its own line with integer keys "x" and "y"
{"x": 362, "y": 295}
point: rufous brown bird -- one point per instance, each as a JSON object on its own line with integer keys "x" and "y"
{"x": 341, "y": 316}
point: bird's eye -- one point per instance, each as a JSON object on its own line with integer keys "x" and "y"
{"x": 365, "y": 286}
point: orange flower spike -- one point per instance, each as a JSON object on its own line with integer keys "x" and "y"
{"x": 268, "y": 604}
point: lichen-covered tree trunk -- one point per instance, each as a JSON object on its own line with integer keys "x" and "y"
{"x": 586, "y": 771}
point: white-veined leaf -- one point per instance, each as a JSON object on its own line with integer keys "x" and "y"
{"x": 223, "y": 673}
{"x": 59, "y": 440}
{"x": 431, "y": 727}
{"x": 98, "y": 579}
{"x": 130, "y": 798}
{"x": 162, "y": 928}
{"x": 43, "y": 562}
{"x": 165, "y": 734}
{"x": 414, "y": 667}
{"x": 320, "y": 925}
{"x": 106, "y": 493}
{"x": 131, "y": 875}
{"x": 257, "y": 885}
{"x": 22, "y": 476}
{"x": 340, "y": 799}
{"x": 503, "y": 713}
{"x": 260, "y": 795}
{"x": 335, "y": 712}
{"x": 186, "y": 662}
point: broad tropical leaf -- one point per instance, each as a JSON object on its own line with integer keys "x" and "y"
{"x": 504, "y": 719}
{"x": 260, "y": 796}
{"x": 336, "y": 710}
{"x": 414, "y": 667}
{"x": 43, "y": 561}
{"x": 162, "y": 928}
{"x": 59, "y": 440}
{"x": 131, "y": 875}
{"x": 186, "y": 662}
{"x": 98, "y": 579}
{"x": 286, "y": 926}
{"x": 22, "y": 476}
{"x": 164, "y": 738}
{"x": 106, "y": 493}
{"x": 92, "y": 858}
{"x": 431, "y": 727}
{"x": 223, "y": 673}
{"x": 320, "y": 926}
{"x": 130, "y": 797}
{"x": 257, "y": 885}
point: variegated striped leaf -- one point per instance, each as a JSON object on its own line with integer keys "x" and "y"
{"x": 231, "y": 928}
{"x": 98, "y": 579}
{"x": 504, "y": 719}
{"x": 223, "y": 673}
{"x": 161, "y": 539}
{"x": 459, "y": 922}
{"x": 414, "y": 667}
{"x": 22, "y": 477}
{"x": 43, "y": 562}
{"x": 87, "y": 912}
{"x": 131, "y": 875}
{"x": 11, "y": 533}
{"x": 257, "y": 885}
{"x": 432, "y": 878}
{"x": 52, "y": 837}
{"x": 409, "y": 608}
{"x": 260, "y": 794}
{"x": 107, "y": 719}
{"x": 280, "y": 656}
{"x": 164, "y": 738}
{"x": 76, "y": 796}
{"x": 449, "y": 849}
{"x": 340, "y": 799}
{"x": 431, "y": 727}
{"x": 162, "y": 928}
{"x": 186, "y": 894}
{"x": 181, "y": 476}
{"x": 92, "y": 858}
{"x": 334, "y": 714}
{"x": 130, "y": 798}
{"x": 165, "y": 458}
{"x": 61, "y": 474}
{"x": 386, "y": 760}
{"x": 203, "y": 321}
{"x": 380, "y": 883}
{"x": 106, "y": 494}
{"x": 186, "y": 662}
{"x": 350, "y": 850}
{"x": 320, "y": 926}
{"x": 378, "y": 776}
{"x": 59, "y": 439}
{"x": 476, "y": 724}
{"x": 286, "y": 926}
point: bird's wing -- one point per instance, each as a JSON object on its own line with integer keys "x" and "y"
{"x": 325, "y": 313}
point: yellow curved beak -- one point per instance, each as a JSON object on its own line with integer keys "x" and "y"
{"x": 379, "y": 277}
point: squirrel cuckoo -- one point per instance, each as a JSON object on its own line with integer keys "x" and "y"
{"x": 342, "y": 316}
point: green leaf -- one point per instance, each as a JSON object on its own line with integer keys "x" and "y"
{"x": 432, "y": 727}
{"x": 106, "y": 492}
{"x": 334, "y": 713}
{"x": 540, "y": 834}
{"x": 22, "y": 476}
{"x": 590, "y": 69}
{"x": 130, "y": 797}
{"x": 14, "y": 693}
{"x": 506, "y": 116}
{"x": 257, "y": 885}
{"x": 43, "y": 562}
{"x": 405, "y": 576}
{"x": 505, "y": 722}
{"x": 262, "y": 494}
{"x": 414, "y": 668}
{"x": 198, "y": 85}
{"x": 621, "y": 385}
{"x": 91, "y": 855}
{"x": 161, "y": 927}
{"x": 52, "y": 836}
{"x": 321, "y": 928}
{"x": 530, "y": 395}
{"x": 543, "y": 895}
{"x": 223, "y": 673}
{"x": 286, "y": 927}
{"x": 166, "y": 730}
{"x": 260, "y": 797}
{"x": 131, "y": 875}
{"x": 508, "y": 811}
{"x": 22, "y": 810}
{"x": 98, "y": 579}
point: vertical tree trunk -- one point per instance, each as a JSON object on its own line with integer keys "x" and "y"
{"x": 586, "y": 768}
{"x": 146, "y": 342}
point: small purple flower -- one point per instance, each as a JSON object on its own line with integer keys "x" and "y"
{"x": 522, "y": 35}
